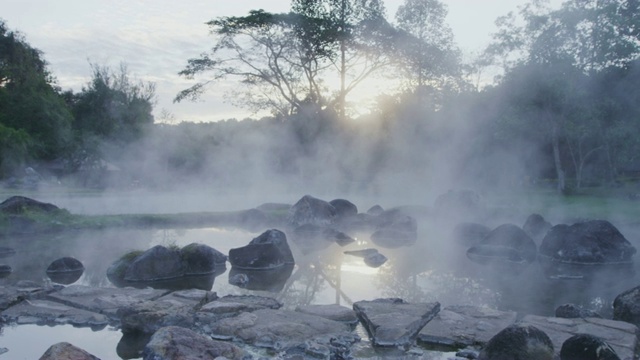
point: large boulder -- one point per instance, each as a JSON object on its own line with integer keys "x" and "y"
{"x": 267, "y": 251}
{"x": 310, "y": 210}
{"x": 583, "y": 249}
{"x": 518, "y": 342}
{"x": 344, "y": 208}
{"x": 193, "y": 266}
{"x": 506, "y": 245}
{"x": 626, "y": 306}
{"x": 587, "y": 347}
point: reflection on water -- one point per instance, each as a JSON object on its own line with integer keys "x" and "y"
{"x": 424, "y": 272}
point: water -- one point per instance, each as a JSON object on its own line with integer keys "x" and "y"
{"x": 434, "y": 269}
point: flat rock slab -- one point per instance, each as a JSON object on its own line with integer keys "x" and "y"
{"x": 103, "y": 300}
{"x": 45, "y": 312}
{"x": 464, "y": 325}
{"x": 393, "y": 322}
{"x": 331, "y": 312}
{"x": 277, "y": 329}
{"x": 191, "y": 297}
{"x": 11, "y": 295}
{"x": 622, "y": 336}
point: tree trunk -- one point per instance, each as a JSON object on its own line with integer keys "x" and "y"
{"x": 555, "y": 140}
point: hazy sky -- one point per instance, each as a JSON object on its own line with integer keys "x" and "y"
{"x": 154, "y": 38}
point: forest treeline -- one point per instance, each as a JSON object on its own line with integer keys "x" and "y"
{"x": 563, "y": 107}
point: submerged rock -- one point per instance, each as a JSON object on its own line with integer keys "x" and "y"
{"x": 267, "y": 251}
{"x": 518, "y": 342}
{"x": 393, "y": 322}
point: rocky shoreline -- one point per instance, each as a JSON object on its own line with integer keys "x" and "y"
{"x": 199, "y": 324}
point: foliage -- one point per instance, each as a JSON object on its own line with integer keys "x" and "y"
{"x": 31, "y": 109}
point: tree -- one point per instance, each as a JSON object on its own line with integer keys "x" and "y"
{"x": 430, "y": 56}
{"x": 111, "y": 110}
{"x": 36, "y": 123}
{"x": 287, "y": 60}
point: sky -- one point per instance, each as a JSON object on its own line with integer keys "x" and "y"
{"x": 155, "y": 38}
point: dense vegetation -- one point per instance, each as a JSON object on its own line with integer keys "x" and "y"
{"x": 564, "y": 109}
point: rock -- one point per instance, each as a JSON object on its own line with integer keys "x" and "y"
{"x": 469, "y": 234}
{"x": 626, "y": 306}
{"x": 277, "y": 329}
{"x": 267, "y": 251}
{"x": 375, "y": 260}
{"x": 172, "y": 343}
{"x": 620, "y": 335}
{"x": 571, "y": 311}
{"x": 65, "y": 270}
{"x": 272, "y": 280}
{"x": 12, "y": 295}
{"x": 157, "y": 263}
{"x": 585, "y": 249}
{"x": 587, "y": 347}
{"x": 201, "y": 259}
{"x": 460, "y": 326}
{"x": 344, "y": 208}
{"x": 506, "y": 245}
{"x": 103, "y": 300}
{"x": 393, "y": 322}
{"x": 5, "y": 270}
{"x": 332, "y": 312}
{"x": 18, "y": 205}
{"x": 536, "y": 226}
{"x": 193, "y": 266}
{"x": 233, "y": 305}
{"x": 518, "y": 341}
{"x": 309, "y": 210}
{"x": 46, "y": 312}
{"x": 375, "y": 210}
{"x": 66, "y": 351}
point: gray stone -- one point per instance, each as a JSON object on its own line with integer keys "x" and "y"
{"x": 518, "y": 341}
{"x": 235, "y": 304}
{"x": 267, "y": 251}
{"x": 103, "y": 300}
{"x": 626, "y": 306}
{"x": 310, "y": 210}
{"x": 277, "y": 329}
{"x": 332, "y": 312}
{"x": 620, "y": 335}
{"x": 45, "y": 312}
{"x": 375, "y": 260}
{"x": 172, "y": 343}
{"x": 11, "y": 295}
{"x": 393, "y": 322}
{"x": 66, "y": 351}
{"x": 464, "y": 325}
{"x": 157, "y": 263}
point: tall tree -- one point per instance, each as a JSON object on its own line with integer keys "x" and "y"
{"x": 431, "y": 57}
{"x": 288, "y": 60}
